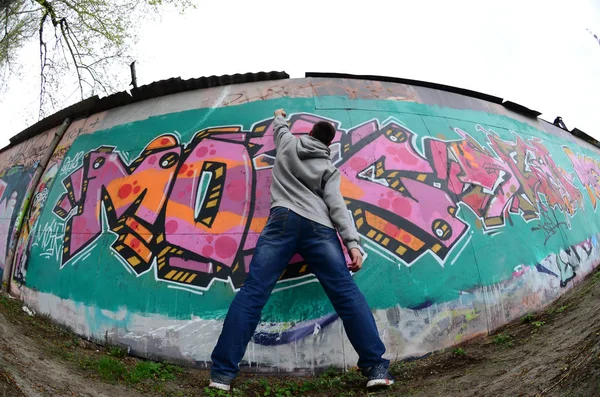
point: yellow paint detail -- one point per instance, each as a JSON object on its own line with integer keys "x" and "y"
{"x": 171, "y": 274}
{"x": 422, "y": 177}
{"x": 177, "y": 276}
{"x": 401, "y": 250}
{"x": 436, "y": 247}
{"x": 192, "y": 277}
{"x": 218, "y": 172}
{"x": 133, "y": 261}
{"x": 371, "y": 233}
{"x": 224, "y": 129}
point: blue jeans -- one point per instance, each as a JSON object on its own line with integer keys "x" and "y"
{"x": 285, "y": 234}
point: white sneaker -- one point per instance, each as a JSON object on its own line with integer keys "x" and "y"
{"x": 379, "y": 376}
{"x": 219, "y": 385}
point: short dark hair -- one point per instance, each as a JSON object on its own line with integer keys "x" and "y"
{"x": 323, "y": 131}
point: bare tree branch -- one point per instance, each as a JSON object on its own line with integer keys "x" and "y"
{"x": 81, "y": 42}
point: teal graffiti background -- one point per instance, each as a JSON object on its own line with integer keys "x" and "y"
{"x": 101, "y": 280}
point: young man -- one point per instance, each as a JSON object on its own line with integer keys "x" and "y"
{"x": 306, "y": 208}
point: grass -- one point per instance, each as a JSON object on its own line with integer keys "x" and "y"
{"x": 503, "y": 339}
{"x": 331, "y": 381}
{"x": 116, "y": 351}
{"x": 153, "y": 370}
{"x": 558, "y": 310}
{"x": 528, "y": 318}
{"x": 459, "y": 352}
{"x": 111, "y": 369}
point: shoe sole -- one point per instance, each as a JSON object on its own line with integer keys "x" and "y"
{"x": 219, "y": 386}
{"x": 376, "y": 383}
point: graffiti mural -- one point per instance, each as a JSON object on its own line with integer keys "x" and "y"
{"x": 565, "y": 265}
{"x": 13, "y": 186}
{"x": 31, "y": 221}
{"x": 588, "y": 172}
{"x": 193, "y": 211}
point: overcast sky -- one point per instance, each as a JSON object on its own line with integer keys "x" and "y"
{"x": 536, "y": 53}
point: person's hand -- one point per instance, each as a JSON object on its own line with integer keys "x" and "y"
{"x": 357, "y": 260}
{"x": 280, "y": 112}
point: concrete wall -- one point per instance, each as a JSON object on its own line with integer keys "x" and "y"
{"x": 144, "y": 223}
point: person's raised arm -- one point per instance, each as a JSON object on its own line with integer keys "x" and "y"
{"x": 281, "y": 132}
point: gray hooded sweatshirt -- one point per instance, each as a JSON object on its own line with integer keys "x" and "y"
{"x": 306, "y": 182}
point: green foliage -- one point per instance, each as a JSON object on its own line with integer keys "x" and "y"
{"x": 117, "y": 351}
{"x": 557, "y": 309}
{"x": 110, "y": 369}
{"x": 528, "y": 318}
{"x": 332, "y": 380}
{"x": 538, "y": 324}
{"x": 80, "y": 41}
{"x": 460, "y": 352}
{"x": 562, "y": 308}
{"x": 503, "y": 339}
{"x": 152, "y": 370}
{"x": 214, "y": 392}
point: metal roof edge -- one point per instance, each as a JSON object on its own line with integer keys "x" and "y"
{"x": 155, "y": 89}
{"x": 515, "y": 107}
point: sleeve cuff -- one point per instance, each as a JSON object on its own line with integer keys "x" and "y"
{"x": 354, "y": 244}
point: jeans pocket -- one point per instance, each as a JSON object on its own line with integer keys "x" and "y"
{"x": 275, "y": 227}
{"x": 323, "y": 231}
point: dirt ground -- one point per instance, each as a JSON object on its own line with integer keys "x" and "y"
{"x": 551, "y": 353}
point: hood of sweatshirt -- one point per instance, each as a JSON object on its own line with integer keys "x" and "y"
{"x": 308, "y": 147}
